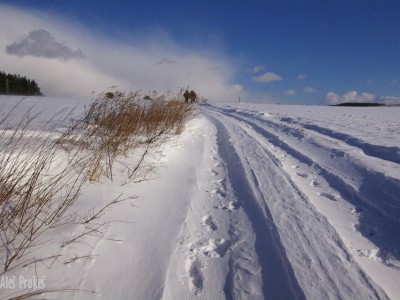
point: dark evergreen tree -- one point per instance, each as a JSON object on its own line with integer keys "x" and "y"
{"x": 14, "y": 84}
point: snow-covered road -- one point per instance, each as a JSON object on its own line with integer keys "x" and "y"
{"x": 296, "y": 211}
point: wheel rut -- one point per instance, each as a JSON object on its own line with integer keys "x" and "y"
{"x": 298, "y": 249}
{"x": 279, "y": 281}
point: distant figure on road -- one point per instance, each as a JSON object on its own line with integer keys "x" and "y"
{"x": 190, "y": 96}
{"x": 186, "y": 95}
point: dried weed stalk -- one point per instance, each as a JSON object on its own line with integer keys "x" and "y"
{"x": 42, "y": 173}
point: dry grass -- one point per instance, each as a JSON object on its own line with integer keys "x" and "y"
{"x": 41, "y": 175}
{"x": 117, "y": 124}
{"x": 35, "y": 188}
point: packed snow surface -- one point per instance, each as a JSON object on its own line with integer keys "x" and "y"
{"x": 250, "y": 202}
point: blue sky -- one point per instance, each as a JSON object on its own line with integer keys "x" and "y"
{"x": 266, "y": 51}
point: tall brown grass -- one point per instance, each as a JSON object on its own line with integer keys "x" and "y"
{"x": 117, "y": 124}
{"x": 42, "y": 173}
{"x": 36, "y": 188}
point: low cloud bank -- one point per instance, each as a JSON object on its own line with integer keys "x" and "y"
{"x": 68, "y": 59}
{"x": 332, "y": 98}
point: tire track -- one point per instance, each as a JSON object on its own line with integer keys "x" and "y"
{"x": 286, "y": 222}
{"x": 377, "y": 194}
{"x": 278, "y": 278}
{"x": 293, "y": 127}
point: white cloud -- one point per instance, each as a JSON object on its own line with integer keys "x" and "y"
{"x": 267, "y": 77}
{"x": 290, "y": 92}
{"x": 301, "y": 76}
{"x": 41, "y": 43}
{"x": 353, "y": 96}
{"x": 393, "y": 82}
{"x": 151, "y": 62}
{"x": 332, "y": 98}
{"x": 389, "y": 100}
{"x": 258, "y": 68}
{"x": 309, "y": 90}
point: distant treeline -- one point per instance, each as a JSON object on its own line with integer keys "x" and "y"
{"x": 13, "y": 84}
{"x": 357, "y": 104}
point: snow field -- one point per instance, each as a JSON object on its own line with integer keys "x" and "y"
{"x": 249, "y": 202}
{"x": 357, "y": 193}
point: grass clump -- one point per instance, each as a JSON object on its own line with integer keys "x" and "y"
{"x": 117, "y": 124}
{"x": 36, "y": 187}
{"x": 42, "y": 172}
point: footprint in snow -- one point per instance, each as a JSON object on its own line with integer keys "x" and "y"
{"x": 210, "y": 248}
{"x": 370, "y": 253}
{"x": 315, "y": 183}
{"x": 208, "y": 223}
{"x": 303, "y": 175}
{"x": 215, "y": 173}
{"x": 357, "y": 211}
{"x": 338, "y": 153}
{"x": 219, "y": 181}
{"x": 216, "y": 247}
{"x": 232, "y": 205}
{"x": 219, "y": 193}
{"x": 329, "y": 196}
{"x": 193, "y": 268}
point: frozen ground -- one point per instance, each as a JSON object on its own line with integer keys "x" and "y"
{"x": 250, "y": 202}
